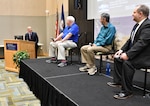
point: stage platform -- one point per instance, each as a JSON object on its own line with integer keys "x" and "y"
{"x": 67, "y": 86}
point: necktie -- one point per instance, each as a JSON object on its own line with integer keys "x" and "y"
{"x": 133, "y": 32}
{"x": 30, "y": 36}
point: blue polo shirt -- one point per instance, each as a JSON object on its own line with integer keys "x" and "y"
{"x": 74, "y": 30}
{"x": 106, "y": 35}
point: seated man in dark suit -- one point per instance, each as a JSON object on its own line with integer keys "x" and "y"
{"x": 32, "y": 36}
{"x": 135, "y": 54}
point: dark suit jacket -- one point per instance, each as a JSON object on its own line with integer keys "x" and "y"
{"x": 139, "y": 53}
{"x": 34, "y": 37}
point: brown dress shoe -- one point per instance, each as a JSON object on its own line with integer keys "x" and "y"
{"x": 123, "y": 95}
{"x": 111, "y": 84}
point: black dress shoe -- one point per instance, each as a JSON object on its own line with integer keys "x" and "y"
{"x": 111, "y": 84}
{"x": 123, "y": 95}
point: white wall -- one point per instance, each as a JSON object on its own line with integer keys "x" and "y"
{"x": 16, "y": 15}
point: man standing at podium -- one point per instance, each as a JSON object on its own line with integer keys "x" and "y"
{"x": 32, "y": 36}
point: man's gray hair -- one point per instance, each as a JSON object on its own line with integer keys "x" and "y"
{"x": 71, "y": 18}
{"x": 144, "y": 9}
{"x": 106, "y": 16}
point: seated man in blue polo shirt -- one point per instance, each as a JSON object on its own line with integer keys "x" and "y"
{"x": 67, "y": 39}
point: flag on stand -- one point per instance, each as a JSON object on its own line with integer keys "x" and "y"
{"x": 62, "y": 21}
{"x": 57, "y": 24}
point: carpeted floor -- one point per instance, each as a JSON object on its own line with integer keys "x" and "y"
{"x": 14, "y": 91}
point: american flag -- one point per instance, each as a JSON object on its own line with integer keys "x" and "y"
{"x": 57, "y": 24}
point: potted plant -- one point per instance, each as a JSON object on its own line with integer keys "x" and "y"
{"x": 20, "y": 55}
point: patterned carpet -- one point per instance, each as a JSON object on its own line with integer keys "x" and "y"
{"x": 14, "y": 91}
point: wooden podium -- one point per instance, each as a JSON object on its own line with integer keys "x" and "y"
{"x": 11, "y": 47}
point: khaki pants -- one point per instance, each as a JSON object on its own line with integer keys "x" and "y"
{"x": 88, "y": 53}
{"x": 61, "y": 48}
